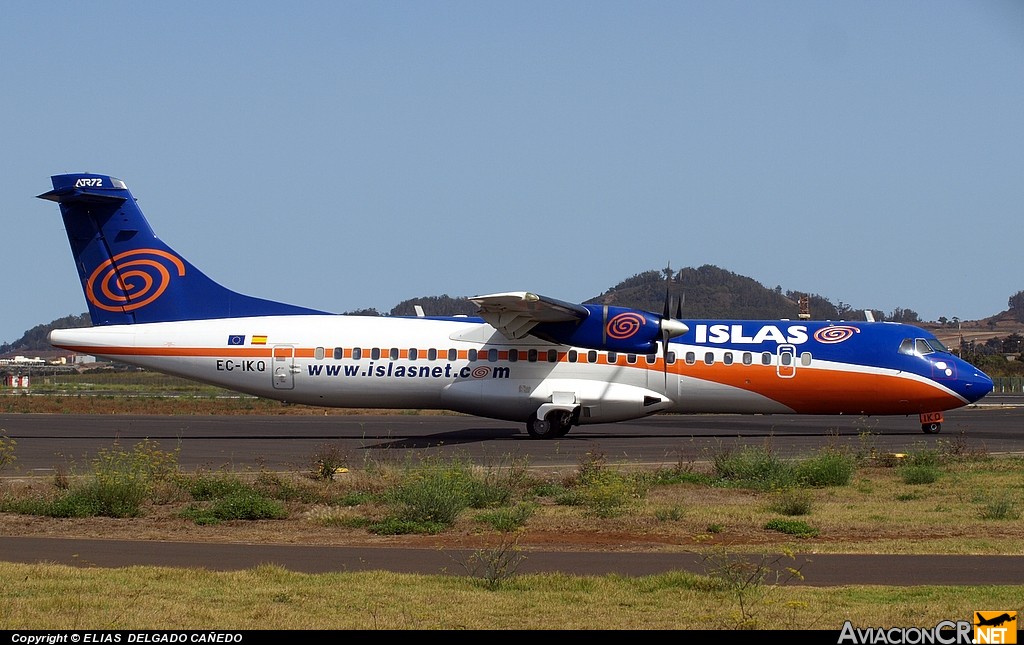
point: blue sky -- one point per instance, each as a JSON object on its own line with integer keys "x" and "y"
{"x": 345, "y": 155}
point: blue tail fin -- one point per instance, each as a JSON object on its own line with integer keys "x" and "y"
{"x": 128, "y": 274}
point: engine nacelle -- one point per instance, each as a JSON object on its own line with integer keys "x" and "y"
{"x": 614, "y": 329}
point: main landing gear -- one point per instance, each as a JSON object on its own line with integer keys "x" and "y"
{"x": 555, "y": 424}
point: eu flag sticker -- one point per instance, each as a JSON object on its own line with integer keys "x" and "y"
{"x": 236, "y": 339}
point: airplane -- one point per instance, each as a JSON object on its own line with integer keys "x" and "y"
{"x": 523, "y": 357}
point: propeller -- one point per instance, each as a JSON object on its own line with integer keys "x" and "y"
{"x": 670, "y": 328}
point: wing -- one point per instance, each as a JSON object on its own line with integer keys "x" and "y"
{"x": 516, "y": 313}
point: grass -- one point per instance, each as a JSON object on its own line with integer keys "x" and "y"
{"x": 726, "y": 507}
{"x": 45, "y": 597}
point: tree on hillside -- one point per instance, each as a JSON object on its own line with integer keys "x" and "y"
{"x": 902, "y": 315}
{"x": 1017, "y": 305}
{"x": 36, "y": 338}
{"x": 435, "y": 306}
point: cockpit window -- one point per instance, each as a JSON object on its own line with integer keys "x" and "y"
{"x": 937, "y": 345}
{"x": 921, "y": 346}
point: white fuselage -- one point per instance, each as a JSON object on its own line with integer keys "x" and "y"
{"x": 465, "y": 365}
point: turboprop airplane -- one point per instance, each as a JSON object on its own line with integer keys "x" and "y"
{"x": 524, "y": 357}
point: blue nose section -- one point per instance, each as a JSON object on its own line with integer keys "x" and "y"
{"x": 974, "y": 384}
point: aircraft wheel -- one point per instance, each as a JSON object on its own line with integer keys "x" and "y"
{"x": 555, "y": 425}
{"x": 931, "y": 428}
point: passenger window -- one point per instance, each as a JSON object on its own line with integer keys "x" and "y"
{"x": 670, "y": 358}
{"x": 572, "y": 356}
{"x": 357, "y": 353}
{"x": 691, "y": 358}
{"x": 631, "y": 358}
{"x": 531, "y": 356}
{"x": 613, "y": 358}
{"x": 492, "y": 355}
{"x": 786, "y": 358}
{"x": 652, "y": 359}
{"x": 453, "y": 354}
{"x": 432, "y": 354}
{"x": 592, "y": 356}
{"x": 339, "y": 353}
{"x": 709, "y": 358}
{"x": 805, "y": 358}
{"x": 727, "y": 359}
{"x": 766, "y": 358}
{"x": 393, "y": 354}
{"x": 748, "y": 358}
{"x": 552, "y": 355}
{"x": 513, "y": 355}
{"x": 413, "y": 353}
{"x": 472, "y": 355}
{"x": 375, "y": 353}
{"x": 318, "y": 353}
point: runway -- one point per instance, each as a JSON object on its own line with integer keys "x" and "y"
{"x": 51, "y": 442}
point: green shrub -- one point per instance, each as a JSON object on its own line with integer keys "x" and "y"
{"x": 433, "y": 492}
{"x": 507, "y": 519}
{"x": 792, "y": 501}
{"x": 672, "y": 514}
{"x": 394, "y": 525}
{"x": 754, "y": 468}
{"x": 673, "y": 476}
{"x": 210, "y": 486}
{"x": 239, "y": 505}
{"x": 605, "y": 492}
{"x": 1002, "y": 508}
{"x": 791, "y": 527}
{"x": 121, "y": 481}
{"x": 924, "y": 457}
{"x": 830, "y": 468}
{"x": 919, "y": 474}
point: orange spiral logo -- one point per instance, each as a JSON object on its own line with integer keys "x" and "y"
{"x": 835, "y": 333}
{"x": 625, "y": 325}
{"x": 126, "y": 282}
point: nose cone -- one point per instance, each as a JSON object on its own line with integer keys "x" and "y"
{"x": 974, "y": 384}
